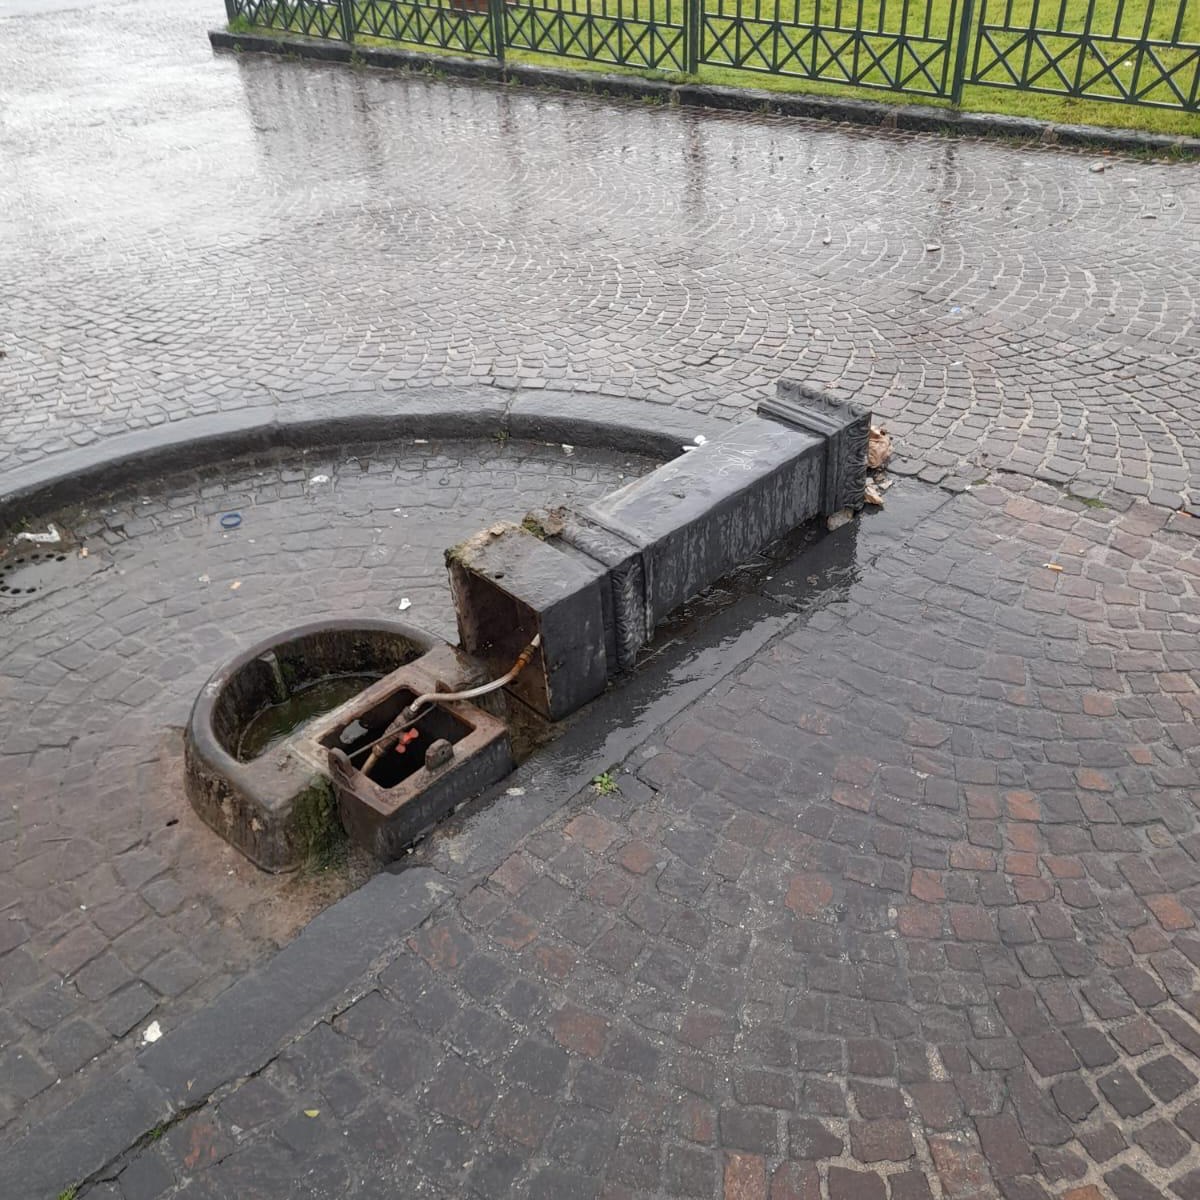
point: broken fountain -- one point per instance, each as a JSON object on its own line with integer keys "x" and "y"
{"x": 401, "y": 729}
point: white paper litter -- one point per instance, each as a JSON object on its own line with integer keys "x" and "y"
{"x": 49, "y": 538}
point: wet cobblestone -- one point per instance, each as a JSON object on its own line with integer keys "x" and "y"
{"x": 117, "y": 906}
{"x": 247, "y": 231}
{"x": 906, "y": 908}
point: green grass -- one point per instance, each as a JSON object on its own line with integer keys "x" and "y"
{"x": 456, "y": 31}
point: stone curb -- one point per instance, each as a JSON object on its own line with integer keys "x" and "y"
{"x": 918, "y": 118}
{"x": 633, "y": 426}
{"x": 233, "y": 1037}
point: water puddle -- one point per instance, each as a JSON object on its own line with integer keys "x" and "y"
{"x": 269, "y": 727}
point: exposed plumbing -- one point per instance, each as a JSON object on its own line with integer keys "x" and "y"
{"x": 483, "y": 689}
{"x": 415, "y": 710}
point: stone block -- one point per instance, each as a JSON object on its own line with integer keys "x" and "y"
{"x": 508, "y": 586}
{"x": 846, "y": 429}
{"x": 697, "y": 517}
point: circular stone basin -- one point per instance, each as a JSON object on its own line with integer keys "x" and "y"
{"x": 274, "y": 807}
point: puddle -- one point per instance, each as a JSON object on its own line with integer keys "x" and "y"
{"x": 270, "y": 726}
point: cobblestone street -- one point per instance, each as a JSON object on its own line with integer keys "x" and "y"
{"x": 899, "y": 899}
{"x": 244, "y": 232}
{"x": 906, "y": 908}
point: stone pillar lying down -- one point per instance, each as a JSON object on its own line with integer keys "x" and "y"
{"x": 596, "y": 588}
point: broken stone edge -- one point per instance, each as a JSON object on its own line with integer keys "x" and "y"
{"x": 576, "y": 418}
{"x": 914, "y": 118}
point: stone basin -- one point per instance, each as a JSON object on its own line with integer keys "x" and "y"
{"x": 277, "y": 807}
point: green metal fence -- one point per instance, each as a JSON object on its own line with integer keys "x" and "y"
{"x": 467, "y": 28}
{"x": 1143, "y": 53}
{"x": 894, "y": 44}
{"x": 628, "y": 33}
{"x": 309, "y": 17}
{"x": 1129, "y": 51}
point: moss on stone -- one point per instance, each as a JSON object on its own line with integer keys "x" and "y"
{"x": 532, "y": 525}
{"x": 316, "y": 830}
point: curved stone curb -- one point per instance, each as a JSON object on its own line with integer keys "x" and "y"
{"x": 917, "y": 118}
{"x": 634, "y": 426}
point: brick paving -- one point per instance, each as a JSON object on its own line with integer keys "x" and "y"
{"x": 242, "y": 232}
{"x": 117, "y": 906}
{"x": 905, "y": 908}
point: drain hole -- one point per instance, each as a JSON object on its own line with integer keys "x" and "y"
{"x": 61, "y": 558}
{"x": 172, "y": 821}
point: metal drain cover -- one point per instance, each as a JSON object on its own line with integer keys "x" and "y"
{"x": 28, "y": 573}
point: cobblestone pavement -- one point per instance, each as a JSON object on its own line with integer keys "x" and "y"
{"x": 116, "y": 905}
{"x": 906, "y": 908}
{"x": 245, "y": 231}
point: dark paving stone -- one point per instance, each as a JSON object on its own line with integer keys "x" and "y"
{"x": 1122, "y": 1091}
{"x": 1187, "y": 1187}
{"x": 1074, "y": 1098}
{"x": 147, "y": 1177}
{"x": 845, "y": 1184}
{"x": 1188, "y": 1119}
{"x": 1167, "y": 1077}
{"x": 1103, "y": 1142}
{"x": 1003, "y": 1146}
{"x": 808, "y": 1138}
{"x": 1127, "y": 1184}
{"x": 1163, "y": 1142}
{"x": 1093, "y": 1048}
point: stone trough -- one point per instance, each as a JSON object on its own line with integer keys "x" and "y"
{"x": 275, "y": 806}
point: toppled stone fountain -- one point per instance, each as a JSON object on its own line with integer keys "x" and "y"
{"x": 380, "y": 727}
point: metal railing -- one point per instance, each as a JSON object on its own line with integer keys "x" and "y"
{"x": 462, "y": 27}
{"x": 1144, "y": 52}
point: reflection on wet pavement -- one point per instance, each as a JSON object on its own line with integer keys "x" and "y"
{"x": 241, "y": 231}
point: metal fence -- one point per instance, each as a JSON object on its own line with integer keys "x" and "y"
{"x": 1140, "y": 52}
